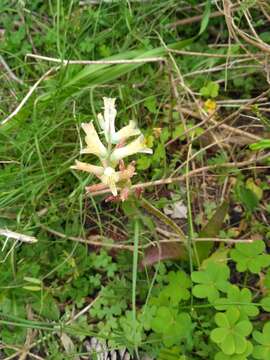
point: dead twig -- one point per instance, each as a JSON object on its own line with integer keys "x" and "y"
{"x": 9, "y": 72}
{"x": 194, "y": 172}
{"x": 95, "y": 62}
{"x": 17, "y": 236}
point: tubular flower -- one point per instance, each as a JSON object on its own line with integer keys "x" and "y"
{"x": 94, "y": 145}
{"x": 126, "y": 132}
{"x": 136, "y": 146}
{"x": 92, "y": 169}
{"x": 107, "y": 175}
{"x": 107, "y": 122}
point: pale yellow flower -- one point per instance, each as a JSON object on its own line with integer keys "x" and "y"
{"x": 126, "y": 132}
{"x": 136, "y": 146}
{"x": 94, "y": 145}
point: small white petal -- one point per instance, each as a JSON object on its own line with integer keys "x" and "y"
{"x": 136, "y": 146}
{"x": 126, "y": 132}
{"x": 94, "y": 145}
{"x": 101, "y": 121}
{"x": 92, "y": 169}
{"x": 109, "y": 118}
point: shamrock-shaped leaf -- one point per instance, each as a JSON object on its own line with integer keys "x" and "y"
{"x": 250, "y": 256}
{"x": 231, "y": 333}
{"x": 211, "y": 280}
{"x": 241, "y": 299}
{"x": 210, "y": 90}
{"x": 221, "y": 356}
{"x": 173, "y": 326}
{"x": 177, "y": 289}
{"x": 266, "y": 280}
{"x": 265, "y": 303}
{"x": 262, "y": 351}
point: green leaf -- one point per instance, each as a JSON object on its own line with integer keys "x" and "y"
{"x": 231, "y": 332}
{"x": 206, "y": 17}
{"x": 221, "y": 356}
{"x": 212, "y": 279}
{"x": 47, "y": 307}
{"x": 254, "y": 188}
{"x": 151, "y": 104}
{"x": 241, "y": 299}
{"x": 103, "y": 73}
{"x": 173, "y": 326}
{"x": 32, "y": 288}
{"x": 210, "y": 90}
{"x": 33, "y": 280}
{"x": 176, "y": 290}
{"x": 250, "y": 256}
{"x": 261, "y": 145}
{"x": 247, "y": 198}
{"x": 265, "y": 303}
{"x": 262, "y": 351}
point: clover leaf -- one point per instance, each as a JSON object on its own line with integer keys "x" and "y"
{"x": 231, "y": 332}
{"x": 266, "y": 280}
{"x": 210, "y": 90}
{"x": 173, "y": 326}
{"x": 250, "y": 256}
{"x": 241, "y": 299}
{"x": 221, "y": 356}
{"x": 177, "y": 288}
{"x": 265, "y": 303}
{"x": 211, "y": 280}
{"x": 262, "y": 351}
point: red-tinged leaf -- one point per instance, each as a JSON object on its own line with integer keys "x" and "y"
{"x": 165, "y": 251}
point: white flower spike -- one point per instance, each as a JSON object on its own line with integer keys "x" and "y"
{"x": 111, "y": 158}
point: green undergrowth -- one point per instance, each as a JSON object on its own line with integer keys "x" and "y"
{"x": 214, "y": 302}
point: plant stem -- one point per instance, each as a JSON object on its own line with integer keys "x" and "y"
{"x": 134, "y": 279}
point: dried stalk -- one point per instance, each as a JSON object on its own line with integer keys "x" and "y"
{"x": 30, "y": 92}
{"x": 194, "y": 172}
{"x": 95, "y": 62}
{"x": 17, "y": 236}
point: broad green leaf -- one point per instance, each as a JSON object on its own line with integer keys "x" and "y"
{"x": 255, "y": 188}
{"x": 261, "y": 145}
{"x": 247, "y": 198}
